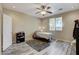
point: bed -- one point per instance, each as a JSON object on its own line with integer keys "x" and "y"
{"x": 46, "y": 36}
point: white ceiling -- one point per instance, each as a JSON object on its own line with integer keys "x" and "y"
{"x": 30, "y": 8}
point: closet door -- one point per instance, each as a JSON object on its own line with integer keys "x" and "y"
{"x": 7, "y": 31}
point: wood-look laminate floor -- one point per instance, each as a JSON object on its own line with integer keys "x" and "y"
{"x": 55, "y": 48}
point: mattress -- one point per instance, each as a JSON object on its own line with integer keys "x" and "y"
{"x": 45, "y": 35}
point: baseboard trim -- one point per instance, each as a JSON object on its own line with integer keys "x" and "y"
{"x": 63, "y": 40}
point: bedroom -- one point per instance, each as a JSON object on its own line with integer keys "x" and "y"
{"x": 25, "y": 19}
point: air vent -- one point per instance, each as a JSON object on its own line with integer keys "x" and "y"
{"x": 60, "y": 9}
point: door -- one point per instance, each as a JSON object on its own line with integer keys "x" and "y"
{"x": 7, "y": 31}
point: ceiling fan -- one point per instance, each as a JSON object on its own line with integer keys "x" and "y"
{"x": 43, "y": 10}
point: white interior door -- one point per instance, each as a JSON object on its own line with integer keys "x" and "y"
{"x": 7, "y": 31}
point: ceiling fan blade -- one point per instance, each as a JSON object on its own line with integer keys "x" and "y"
{"x": 38, "y": 8}
{"x": 48, "y": 7}
{"x": 37, "y": 12}
{"x": 43, "y": 7}
{"x": 49, "y": 12}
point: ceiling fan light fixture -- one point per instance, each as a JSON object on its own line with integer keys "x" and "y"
{"x": 43, "y": 12}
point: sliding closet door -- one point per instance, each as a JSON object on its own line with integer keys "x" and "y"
{"x": 7, "y": 31}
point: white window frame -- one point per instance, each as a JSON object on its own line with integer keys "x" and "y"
{"x": 54, "y": 26}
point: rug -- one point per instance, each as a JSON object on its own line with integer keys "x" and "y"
{"x": 38, "y": 45}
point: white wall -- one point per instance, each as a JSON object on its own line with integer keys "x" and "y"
{"x": 23, "y": 22}
{"x": 68, "y": 21}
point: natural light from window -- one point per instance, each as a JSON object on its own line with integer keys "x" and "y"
{"x": 55, "y": 24}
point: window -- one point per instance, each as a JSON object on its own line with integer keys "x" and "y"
{"x": 55, "y": 24}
